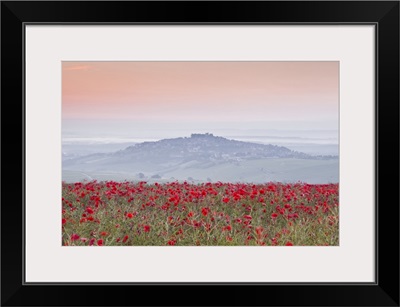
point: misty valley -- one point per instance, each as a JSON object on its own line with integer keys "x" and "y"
{"x": 198, "y": 158}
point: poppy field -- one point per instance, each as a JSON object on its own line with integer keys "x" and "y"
{"x": 208, "y": 214}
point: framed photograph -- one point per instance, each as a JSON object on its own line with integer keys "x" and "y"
{"x": 241, "y": 146}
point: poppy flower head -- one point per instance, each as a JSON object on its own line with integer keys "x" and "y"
{"x": 171, "y": 242}
{"x": 75, "y": 237}
{"x": 204, "y": 211}
{"x": 227, "y": 228}
{"x": 259, "y": 230}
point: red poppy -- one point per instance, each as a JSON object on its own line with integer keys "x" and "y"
{"x": 259, "y": 230}
{"x": 204, "y": 211}
{"x": 129, "y": 215}
{"x": 289, "y": 243}
{"x": 171, "y": 242}
{"x": 274, "y": 215}
{"x": 89, "y": 210}
{"x": 146, "y": 228}
{"x": 225, "y": 200}
{"x": 100, "y": 242}
{"x": 75, "y": 237}
{"x": 64, "y": 221}
{"x": 228, "y": 228}
{"x": 103, "y": 233}
{"x": 125, "y": 239}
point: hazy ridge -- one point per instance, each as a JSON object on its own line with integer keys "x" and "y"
{"x": 203, "y": 157}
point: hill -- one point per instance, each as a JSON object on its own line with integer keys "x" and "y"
{"x": 193, "y": 158}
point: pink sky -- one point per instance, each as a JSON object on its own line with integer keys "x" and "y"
{"x": 195, "y": 91}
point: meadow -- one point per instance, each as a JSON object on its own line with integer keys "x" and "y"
{"x": 247, "y": 171}
{"x": 110, "y": 213}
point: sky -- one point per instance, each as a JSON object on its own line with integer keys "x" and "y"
{"x": 157, "y": 98}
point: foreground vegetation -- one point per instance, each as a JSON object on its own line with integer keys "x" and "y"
{"x": 214, "y": 214}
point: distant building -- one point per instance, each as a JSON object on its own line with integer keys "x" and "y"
{"x": 201, "y": 135}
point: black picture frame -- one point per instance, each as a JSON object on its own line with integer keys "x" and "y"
{"x": 383, "y": 14}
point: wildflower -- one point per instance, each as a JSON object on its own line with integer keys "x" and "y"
{"x": 75, "y": 237}
{"x": 228, "y": 228}
{"x": 259, "y": 230}
{"x": 204, "y": 211}
{"x": 171, "y": 242}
